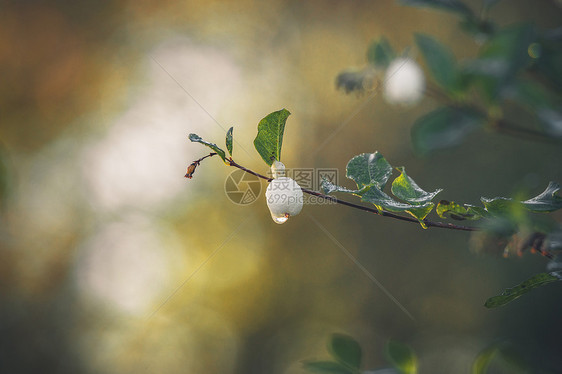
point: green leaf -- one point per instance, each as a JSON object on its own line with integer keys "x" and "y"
{"x": 500, "y": 206}
{"x": 477, "y": 210}
{"x": 454, "y": 6}
{"x": 326, "y": 367}
{"x": 406, "y": 189}
{"x": 196, "y": 138}
{"x": 369, "y": 168}
{"x": 229, "y": 140}
{"x": 380, "y": 53}
{"x": 510, "y": 294}
{"x": 548, "y": 201}
{"x": 329, "y": 187}
{"x": 460, "y": 213}
{"x": 402, "y": 357}
{"x": 345, "y": 350}
{"x": 384, "y": 202}
{"x": 439, "y": 60}
{"x": 269, "y": 140}
{"x": 444, "y": 127}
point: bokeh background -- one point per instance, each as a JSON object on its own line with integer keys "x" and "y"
{"x": 112, "y": 262}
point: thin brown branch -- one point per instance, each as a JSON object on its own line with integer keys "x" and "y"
{"x": 191, "y": 168}
{"x": 382, "y": 213}
{"x": 500, "y": 126}
{"x": 516, "y": 131}
{"x": 435, "y": 93}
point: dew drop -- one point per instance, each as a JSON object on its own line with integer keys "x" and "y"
{"x": 280, "y": 218}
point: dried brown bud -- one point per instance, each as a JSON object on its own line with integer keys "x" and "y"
{"x": 191, "y": 170}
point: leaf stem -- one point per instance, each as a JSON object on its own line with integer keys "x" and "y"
{"x": 381, "y": 212}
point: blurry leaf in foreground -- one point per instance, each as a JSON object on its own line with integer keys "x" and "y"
{"x": 454, "y": 6}
{"x": 444, "y": 127}
{"x": 402, "y": 357}
{"x": 326, "y": 367}
{"x": 196, "y": 138}
{"x": 482, "y": 361}
{"x": 500, "y": 357}
{"x": 510, "y": 294}
{"x": 492, "y": 241}
{"x": 345, "y": 350}
{"x": 269, "y": 139}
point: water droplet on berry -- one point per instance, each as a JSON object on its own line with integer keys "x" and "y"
{"x": 280, "y": 219}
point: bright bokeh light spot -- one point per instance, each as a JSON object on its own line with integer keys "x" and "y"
{"x": 142, "y": 159}
{"x": 126, "y": 266}
{"x": 534, "y": 50}
{"x": 189, "y": 342}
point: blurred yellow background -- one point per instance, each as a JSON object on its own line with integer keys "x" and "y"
{"x": 112, "y": 262}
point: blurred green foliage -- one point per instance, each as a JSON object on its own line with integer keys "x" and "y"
{"x": 515, "y": 64}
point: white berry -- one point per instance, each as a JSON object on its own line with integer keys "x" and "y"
{"x": 284, "y": 199}
{"x": 404, "y": 82}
